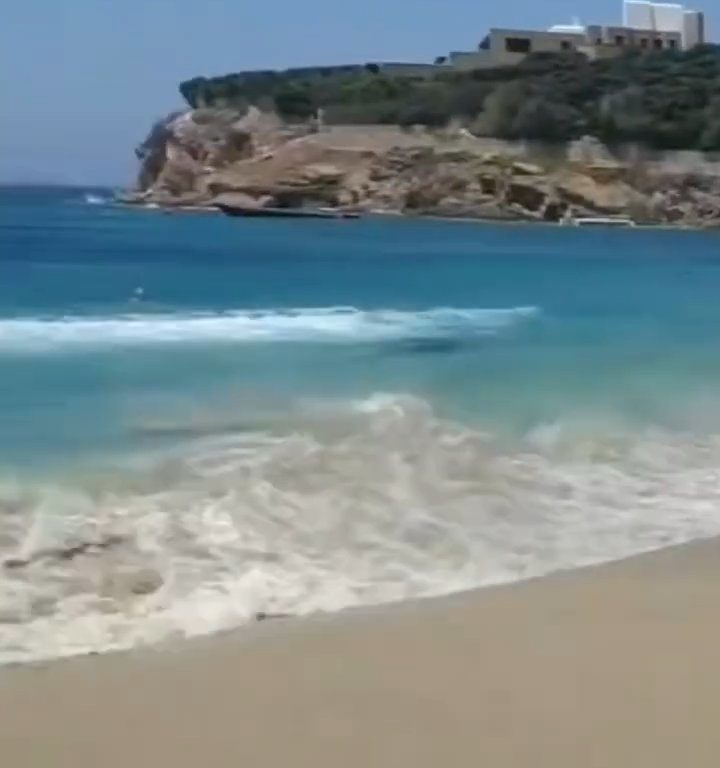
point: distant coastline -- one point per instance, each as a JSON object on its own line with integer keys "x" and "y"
{"x": 551, "y": 138}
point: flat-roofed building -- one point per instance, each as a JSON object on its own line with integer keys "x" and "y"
{"x": 646, "y": 26}
{"x": 505, "y": 47}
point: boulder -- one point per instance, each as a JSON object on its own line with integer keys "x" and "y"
{"x": 580, "y": 190}
{"x": 526, "y": 169}
{"x": 321, "y": 173}
{"x": 242, "y": 200}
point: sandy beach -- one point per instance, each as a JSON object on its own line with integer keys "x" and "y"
{"x": 614, "y": 665}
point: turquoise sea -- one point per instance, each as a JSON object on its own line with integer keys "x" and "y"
{"x": 204, "y": 418}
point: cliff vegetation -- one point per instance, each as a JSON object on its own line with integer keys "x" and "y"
{"x": 664, "y": 100}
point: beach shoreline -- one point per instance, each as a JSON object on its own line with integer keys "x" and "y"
{"x": 611, "y": 664}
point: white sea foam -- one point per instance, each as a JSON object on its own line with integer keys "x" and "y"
{"x": 93, "y": 199}
{"x": 322, "y": 325}
{"x": 391, "y": 502}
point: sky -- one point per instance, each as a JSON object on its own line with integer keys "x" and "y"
{"x": 81, "y": 81}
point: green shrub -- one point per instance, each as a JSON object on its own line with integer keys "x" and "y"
{"x": 666, "y": 99}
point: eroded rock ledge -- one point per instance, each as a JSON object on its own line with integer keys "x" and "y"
{"x": 201, "y": 157}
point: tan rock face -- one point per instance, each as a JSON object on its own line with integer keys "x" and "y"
{"x": 205, "y": 156}
{"x": 583, "y": 190}
{"x": 322, "y": 173}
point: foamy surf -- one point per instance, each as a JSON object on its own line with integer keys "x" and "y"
{"x": 391, "y": 503}
{"x": 94, "y": 199}
{"x": 314, "y": 325}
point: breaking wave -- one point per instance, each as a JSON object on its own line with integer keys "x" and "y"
{"x": 376, "y": 501}
{"x": 94, "y": 199}
{"x": 324, "y": 325}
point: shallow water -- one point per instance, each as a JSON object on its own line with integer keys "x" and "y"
{"x": 204, "y": 418}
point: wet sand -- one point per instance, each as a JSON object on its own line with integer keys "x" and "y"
{"x": 605, "y": 667}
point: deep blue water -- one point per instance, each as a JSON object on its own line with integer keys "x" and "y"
{"x": 625, "y": 320}
{"x": 304, "y": 415}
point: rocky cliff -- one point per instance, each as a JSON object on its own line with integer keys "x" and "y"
{"x": 205, "y": 156}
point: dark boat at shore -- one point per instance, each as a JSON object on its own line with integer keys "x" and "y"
{"x": 288, "y": 213}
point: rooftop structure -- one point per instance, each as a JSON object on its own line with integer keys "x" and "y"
{"x": 666, "y": 17}
{"x": 646, "y": 25}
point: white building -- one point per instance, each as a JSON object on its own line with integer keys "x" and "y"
{"x": 646, "y": 26}
{"x": 638, "y": 14}
{"x": 665, "y": 17}
{"x": 693, "y": 29}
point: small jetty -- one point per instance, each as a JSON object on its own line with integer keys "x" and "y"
{"x": 285, "y": 213}
{"x": 600, "y": 221}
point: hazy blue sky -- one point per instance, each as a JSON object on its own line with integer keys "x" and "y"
{"x": 82, "y": 80}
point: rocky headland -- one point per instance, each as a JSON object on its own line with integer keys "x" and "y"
{"x": 205, "y": 156}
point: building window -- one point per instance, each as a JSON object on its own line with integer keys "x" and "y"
{"x": 644, "y": 42}
{"x": 658, "y": 43}
{"x": 619, "y": 39}
{"x": 598, "y": 41}
{"x": 517, "y": 44}
{"x": 672, "y": 43}
{"x": 566, "y": 45}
